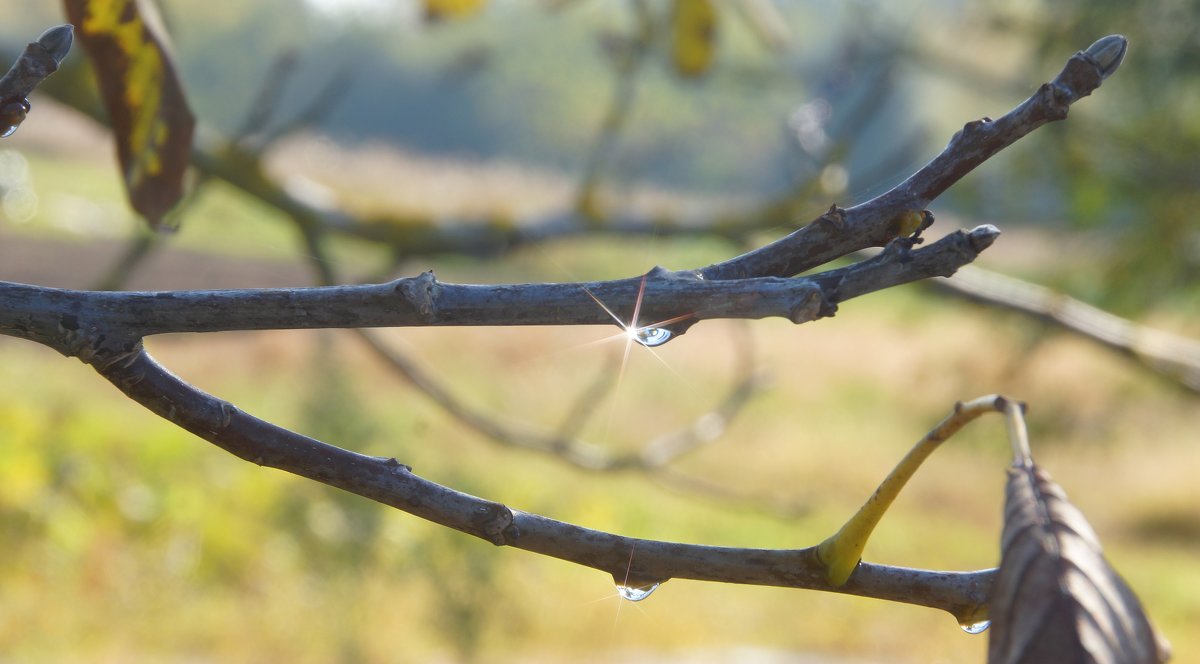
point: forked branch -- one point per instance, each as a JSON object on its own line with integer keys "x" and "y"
{"x": 106, "y": 330}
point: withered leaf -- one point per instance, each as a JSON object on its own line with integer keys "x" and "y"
{"x": 1055, "y": 598}
{"x": 144, "y": 99}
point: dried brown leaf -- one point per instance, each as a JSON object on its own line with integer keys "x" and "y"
{"x": 144, "y": 99}
{"x": 1055, "y": 598}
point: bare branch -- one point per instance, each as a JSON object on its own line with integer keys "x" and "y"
{"x": 59, "y": 317}
{"x": 874, "y": 223}
{"x": 655, "y": 454}
{"x": 385, "y": 480}
{"x": 106, "y": 331}
{"x": 628, "y": 56}
{"x": 1174, "y": 356}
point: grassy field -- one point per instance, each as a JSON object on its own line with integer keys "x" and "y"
{"x": 126, "y": 539}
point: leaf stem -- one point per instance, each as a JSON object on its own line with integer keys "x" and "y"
{"x": 841, "y": 552}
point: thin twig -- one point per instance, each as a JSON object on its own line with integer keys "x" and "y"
{"x": 873, "y": 223}
{"x": 653, "y": 455}
{"x": 1174, "y": 356}
{"x": 628, "y": 57}
{"x": 566, "y": 446}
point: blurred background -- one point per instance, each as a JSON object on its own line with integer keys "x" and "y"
{"x": 507, "y": 141}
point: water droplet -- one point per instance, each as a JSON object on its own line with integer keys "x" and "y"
{"x": 652, "y": 336}
{"x": 637, "y": 594}
{"x": 5, "y": 132}
{"x": 976, "y": 627}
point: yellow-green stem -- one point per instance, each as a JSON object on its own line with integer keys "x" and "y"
{"x": 841, "y": 553}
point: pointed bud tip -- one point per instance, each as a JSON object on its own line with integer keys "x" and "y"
{"x": 1108, "y": 52}
{"x": 57, "y": 41}
{"x": 982, "y": 237}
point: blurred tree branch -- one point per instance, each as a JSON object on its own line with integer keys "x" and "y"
{"x": 627, "y": 55}
{"x": 1175, "y": 357}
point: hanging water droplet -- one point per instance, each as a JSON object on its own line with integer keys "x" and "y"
{"x": 652, "y": 336}
{"x": 6, "y": 131}
{"x": 637, "y": 594}
{"x": 976, "y": 627}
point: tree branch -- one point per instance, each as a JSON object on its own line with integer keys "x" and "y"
{"x": 1174, "y": 356}
{"x": 874, "y": 223}
{"x": 61, "y": 318}
{"x": 106, "y": 331}
{"x": 635, "y": 562}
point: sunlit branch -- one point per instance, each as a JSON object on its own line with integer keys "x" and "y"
{"x": 873, "y": 223}
{"x": 390, "y": 482}
{"x": 106, "y": 331}
{"x": 651, "y": 460}
{"x": 60, "y": 317}
{"x": 565, "y": 446}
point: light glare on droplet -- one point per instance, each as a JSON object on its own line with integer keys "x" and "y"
{"x": 976, "y": 628}
{"x": 637, "y": 594}
{"x": 651, "y": 336}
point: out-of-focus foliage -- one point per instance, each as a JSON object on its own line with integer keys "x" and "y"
{"x": 1135, "y": 175}
{"x": 693, "y": 36}
{"x": 437, "y": 10}
{"x": 145, "y": 103}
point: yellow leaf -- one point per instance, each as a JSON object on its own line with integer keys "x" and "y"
{"x": 144, "y": 99}
{"x": 438, "y": 10}
{"x": 693, "y": 36}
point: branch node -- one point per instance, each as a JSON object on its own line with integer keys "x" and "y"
{"x": 1056, "y": 99}
{"x": 974, "y": 129}
{"x": 834, "y": 218}
{"x": 899, "y": 250}
{"x": 495, "y": 521}
{"x": 396, "y": 465}
{"x": 86, "y": 342}
{"x": 812, "y": 306}
{"x": 228, "y": 410}
{"x": 421, "y": 292}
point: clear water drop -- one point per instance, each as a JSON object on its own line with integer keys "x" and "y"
{"x": 637, "y": 594}
{"x": 652, "y": 336}
{"x": 6, "y": 131}
{"x": 976, "y": 627}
